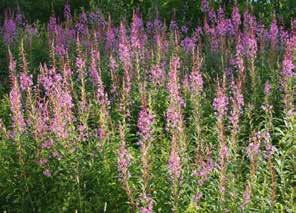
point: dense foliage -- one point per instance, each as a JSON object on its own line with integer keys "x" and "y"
{"x": 186, "y": 11}
{"x": 148, "y": 116}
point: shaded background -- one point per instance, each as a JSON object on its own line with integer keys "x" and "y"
{"x": 185, "y": 10}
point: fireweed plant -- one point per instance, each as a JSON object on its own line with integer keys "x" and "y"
{"x": 148, "y": 116}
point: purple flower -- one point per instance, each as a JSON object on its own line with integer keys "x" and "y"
{"x": 220, "y": 102}
{"x": 184, "y": 29}
{"x": 237, "y": 104}
{"x": 80, "y": 63}
{"x": 174, "y": 164}
{"x": 31, "y": 30}
{"x": 158, "y": 25}
{"x": 273, "y": 33}
{"x": 173, "y": 25}
{"x": 124, "y": 47}
{"x": 236, "y": 18}
{"x": 223, "y": 152}
{"x": 81, "y": 26}
{"x": 42, "y": 118}
{"x": 148, "y": 208}
{"x": 249, "y": 23}
{"x": 60, "y": 50}
{"x": 145, "y": 121}
{"x": 196, "y": 81}
{"x": 267, "y": 88}
{"x": 42, "y": 162}
{"x": 288, "y": 66}
{"x": 157, "y": 74}
{"x": 188, "y": 44}
{"x": 101, "y": 133}
{"x": 9, "y": 30}
{"x": 204, "y": 6}
{"x": 47, "y": 144}
{"x": 253, "y": 150}
{"x": 67, "y": 12}
{"x": 250, "y": 44}
{"x": 25, "y": 81}
{"x": 16, "y": 104}
{"x": 47, "y": 173}
{"x": 124, "y": 159}
{"x": 196, "y": 34}
{"x": 205, "y": 169}
{"x": 221, "y": 13}
{"x": 149, "y": 26}
{"x": 137, "y": 32}
{"x": 110, "y": 37}
{"x": 174, "y": 118}
{"x": 212, "y": 16}
{"x": 52, "y": 25}
{"x": 173, "y": 84}
{"x": 221, "y": 28}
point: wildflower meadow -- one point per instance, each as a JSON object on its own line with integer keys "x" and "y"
{"x": 148, "y": 115}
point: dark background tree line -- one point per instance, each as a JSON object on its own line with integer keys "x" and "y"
{"x": 185, "y": 11}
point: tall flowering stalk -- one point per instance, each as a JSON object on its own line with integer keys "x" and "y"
{"x": 83, "y": 100}
{"x": 237, "y": 102}
{"x": 287, "y": 74}
{"x": 196, "y": 88}
{"x": 110, "y": 37}
{"x": 125, "y": 57}
{"x": 19, "y": 125}
{"x": 60, "y": 100}
{"x": 26, "y": 83}
{"x": 9, "y": 30}
{"x": 123, "y": 163}
{"x": 250, "y": 44}
{"x": 239, "y": 61}
{"x": 252, "y": 150}
{"x": 113, "y": 66}
{"x": 15, "y": 99}
{"x": 175, "y": 170}
{"x": 269, "y": 148}
{"x": 101, "y": 96}
{"x": 220, "y": 105}
{"x": 145, "y": 121}
{"x": 137, "y": 40}
{"x": 176, "y": 128}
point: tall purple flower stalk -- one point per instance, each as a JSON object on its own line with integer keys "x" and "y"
{"x": 123, "y": 163}
{"x": 204, "y": 6}
{"x": 273, "y": 34}
{"x": 137, "y": 32}
{"x": 157, "y": 74}
{"x": 67, "y": 12}
{"x": 237, "y": 102}
{"x": 174, "y": 116}
{"x": 145, "y": 121}
{"x": 252, "y": 151}
{"x": 236, "y": 18}
{"x": 174, "y": 165}
{"x": 15, "y": 98}
{"x": 288, "y": 66}
{"x": 148, "y": 204}
{"x": 124, "y": 47}
{"x": 9, "y": 30}
{"x": 220, "y": 105}
{"x": 25, "y": 81}
{"x": 110, "y": 36}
